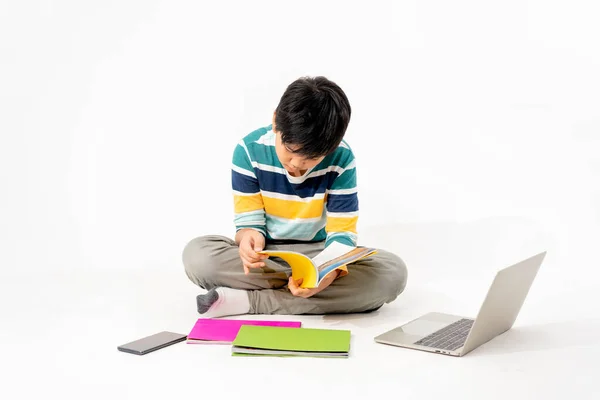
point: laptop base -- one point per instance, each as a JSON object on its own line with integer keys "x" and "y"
{"x": 409, "y": 334}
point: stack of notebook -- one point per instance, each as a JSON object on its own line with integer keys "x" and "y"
{"x": 284, "y": 341}
{"x": 224, "y": 331}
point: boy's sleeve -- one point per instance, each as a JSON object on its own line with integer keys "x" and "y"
{"x": 249, "y": 209}
{"x": 342, "y": 210}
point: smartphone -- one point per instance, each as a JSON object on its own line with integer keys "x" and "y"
{"x": 151, "y": 343}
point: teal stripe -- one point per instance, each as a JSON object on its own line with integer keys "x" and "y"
{"x": 254, "y": 135}
{"x": 285, "y": 229}
{"x": 258, "y": 228}
{"x": 347, "y": 238}
{"x": 250, "y": 218}
{"x": 240, "y": 158}
{"x": 320, "y": 236}
{"x": 347, "y": 180}
{"x": 341, "y": 157}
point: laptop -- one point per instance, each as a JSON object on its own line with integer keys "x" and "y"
{"x": 455, "y": 335}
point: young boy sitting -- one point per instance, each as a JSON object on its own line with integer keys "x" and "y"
{"x": 294, "y": 188}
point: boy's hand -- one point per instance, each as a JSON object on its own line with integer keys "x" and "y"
{"x": 250, "y": 243}
{"x": 296, "y": 290}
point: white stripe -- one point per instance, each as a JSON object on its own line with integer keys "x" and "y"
{"x": 320, "y": 172}
{"x": 335, "y": 168}
{"x": 280, "y": 196}
{"x": 268, "y": 139}
{"x": 259, "y": 222}
{"x": 351, "y": 165}
{"x": 243, "y": 171}
{"x": 268, "y": 168}
{"x": 341, "y": 233}
{"x": 253, "y": 222}
{"x": 245, "y": 148}
{"x": 343, "y": 215}
{"x": 343, "y": 191}
{"x": 297, "y": 179}
{"x": 236, "y": 193}
{"x": 351, "y": 235}
{"x": 344, "y": 145}
{"x": 253, "y": 163}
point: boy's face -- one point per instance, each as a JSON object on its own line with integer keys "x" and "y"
{"x": 296, "y": 164}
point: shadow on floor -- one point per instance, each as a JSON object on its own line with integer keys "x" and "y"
{"x": 558, "y": 335}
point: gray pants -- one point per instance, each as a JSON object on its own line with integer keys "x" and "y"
{"x": 213, "y": 261}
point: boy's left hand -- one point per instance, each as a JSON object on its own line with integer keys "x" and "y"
{"x": 296, "y": 290}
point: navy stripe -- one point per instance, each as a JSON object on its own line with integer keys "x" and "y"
{"x": 278, "y": 183}
{"x": 243, "y": 183}
{"x": 342, "y": 202}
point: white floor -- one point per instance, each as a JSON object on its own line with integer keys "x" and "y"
{"x": 61, "y": 329}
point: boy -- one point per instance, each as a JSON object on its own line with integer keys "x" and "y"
{"x": 294, "y": 188}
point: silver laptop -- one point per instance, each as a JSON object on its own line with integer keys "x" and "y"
{"x": 455, "y": 335}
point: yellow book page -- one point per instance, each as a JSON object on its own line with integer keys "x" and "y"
{"x": 302, "y": 266}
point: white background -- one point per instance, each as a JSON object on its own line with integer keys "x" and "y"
{"x": 118, "y": 120}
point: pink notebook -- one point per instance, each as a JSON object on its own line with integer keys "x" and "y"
{"x": 224, "y": 331}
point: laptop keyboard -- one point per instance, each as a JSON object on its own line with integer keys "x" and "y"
{"x": 451, "y": 337}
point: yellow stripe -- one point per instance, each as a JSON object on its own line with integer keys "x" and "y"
{"x": 242, "y": 204}
{"x": 341, "y": 224}
{"x": 293, "y": 209}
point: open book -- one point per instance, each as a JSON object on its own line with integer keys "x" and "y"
{"x": 312, "y": 271}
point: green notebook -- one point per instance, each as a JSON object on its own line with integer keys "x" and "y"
{"x": 282, "y": 341}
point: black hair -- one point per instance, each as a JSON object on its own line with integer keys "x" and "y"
{"x": 313, "y": 114}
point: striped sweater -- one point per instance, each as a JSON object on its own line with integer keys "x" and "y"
{"x": 320, "y": 205}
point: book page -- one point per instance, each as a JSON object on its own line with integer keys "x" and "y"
{"x": 333, "y": 251}
{"x": 354, "y": 255}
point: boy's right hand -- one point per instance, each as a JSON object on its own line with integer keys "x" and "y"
{"x": 251, "y": 242}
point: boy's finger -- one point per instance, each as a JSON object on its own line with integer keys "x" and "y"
{"x": 256, "y": 264}
{"x": 250, "y": 254}
{"x": 292, "y": 285}
{"x": 254, "y": 260}
{"x": 294, "y": 288}
{"x": 300, "y": 292}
